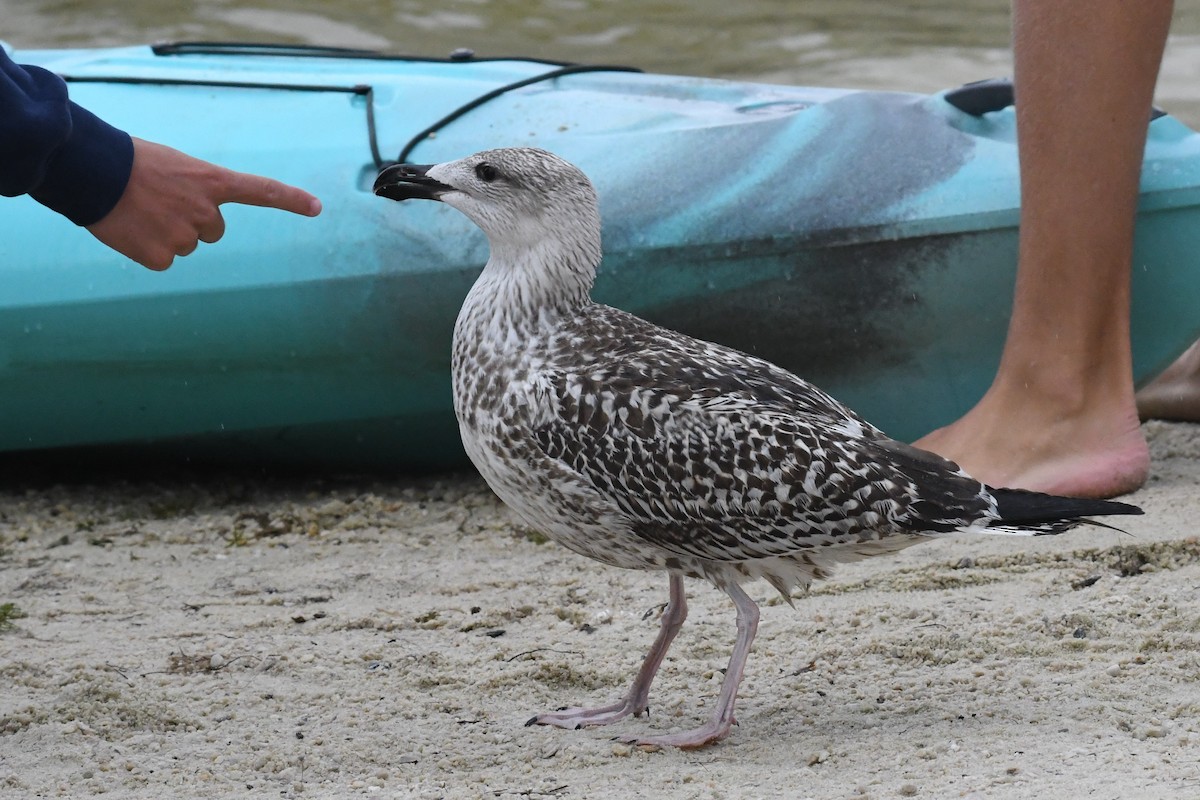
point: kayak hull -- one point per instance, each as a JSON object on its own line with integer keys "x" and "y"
{"x": 864, "y": 240}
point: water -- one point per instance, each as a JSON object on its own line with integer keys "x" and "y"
{"x": 918, "y": 45}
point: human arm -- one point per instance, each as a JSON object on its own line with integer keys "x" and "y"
{"x": 144, "y": 200}
{"x": 56, "y": 151}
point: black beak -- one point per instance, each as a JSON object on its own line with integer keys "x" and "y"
{"x": 408, "y": 182}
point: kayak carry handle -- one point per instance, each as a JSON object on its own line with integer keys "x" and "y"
{"x": 993, "y": 94}
{"x": 979, "y": 97}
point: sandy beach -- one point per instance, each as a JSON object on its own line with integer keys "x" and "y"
{"x": 217, "y": 636}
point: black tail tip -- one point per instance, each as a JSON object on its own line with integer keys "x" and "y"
{"x": 1021, "y": 506}
{"x": 1116, "y": 507}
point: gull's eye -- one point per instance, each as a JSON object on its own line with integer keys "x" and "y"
{"x": 486, "y": 172}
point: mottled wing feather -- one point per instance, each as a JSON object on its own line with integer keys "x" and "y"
{"x": 713, "y": 454}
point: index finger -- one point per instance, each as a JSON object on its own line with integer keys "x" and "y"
{"x": 257, "y": 190}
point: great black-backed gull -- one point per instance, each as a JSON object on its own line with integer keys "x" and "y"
{"x": 644, "y": 448}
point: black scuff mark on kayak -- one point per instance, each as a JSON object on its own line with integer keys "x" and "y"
{"x": 838, "y": 311}
{"x": 844, "y": 317}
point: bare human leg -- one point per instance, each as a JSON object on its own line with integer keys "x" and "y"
{"x": 1060, "y": 414}
{"x": 637, "y": 700}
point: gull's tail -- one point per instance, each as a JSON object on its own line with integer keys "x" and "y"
{"x": 1025, "y": 513}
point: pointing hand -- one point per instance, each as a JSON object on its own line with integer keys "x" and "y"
{"x": 172, "y": 203}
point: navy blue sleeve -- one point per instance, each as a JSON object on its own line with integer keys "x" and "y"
{"x": 57, "y": 152}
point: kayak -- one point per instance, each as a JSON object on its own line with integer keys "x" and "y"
{"x": 864, "y": 240}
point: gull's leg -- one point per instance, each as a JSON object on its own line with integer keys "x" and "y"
{"x": 720, "y": 722}
{"x": 636, "y": 702}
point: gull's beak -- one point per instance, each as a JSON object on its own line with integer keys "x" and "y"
{"x": 409, "y": 182}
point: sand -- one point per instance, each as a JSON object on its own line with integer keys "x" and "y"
{"x": 240, "y": 636}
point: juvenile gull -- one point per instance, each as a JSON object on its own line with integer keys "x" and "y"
{"x": 644, "y": 448}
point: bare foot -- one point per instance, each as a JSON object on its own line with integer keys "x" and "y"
{"x": 1025, "y": 444}
{"x": 1175, "y": 394}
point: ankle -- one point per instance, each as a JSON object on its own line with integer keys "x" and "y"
{"x": 1103, "y": 394}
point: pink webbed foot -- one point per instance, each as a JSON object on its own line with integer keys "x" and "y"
{"x": 712, "y": 731}
{"x": 636, "y": 702}
{"x": 576, "y": 718}
{"x": 721, "y": 721}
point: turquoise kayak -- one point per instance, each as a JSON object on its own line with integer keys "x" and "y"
{"x": 864, "y": 240}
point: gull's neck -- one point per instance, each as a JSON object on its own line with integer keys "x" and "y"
{"x": 531, "y": 278}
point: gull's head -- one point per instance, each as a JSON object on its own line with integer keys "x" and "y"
{"x": 525, "y": 199}
{"x": 503, "y": 191}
